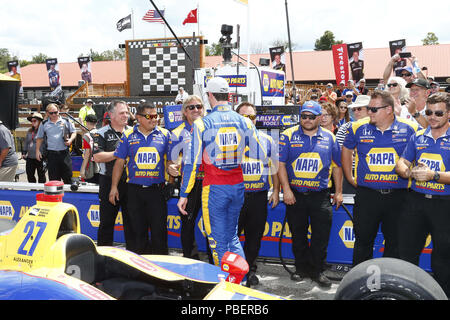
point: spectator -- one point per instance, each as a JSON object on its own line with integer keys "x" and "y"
{"x": 426, "y": 160}
{"x": 8, "y": 156}
{"x": 89, "y": 170}
{"x": 447, "y": 89}
{"x": 397, "y": 88}
{"x": 343, "y": 112}
{"x": 380, "y": 85}
{"x": 340, "y": 90}
{"x": 419, "y": 91}
{"x": 253, "y": 216}
{"x": 329, "y": 117}
{"x": 434, "y": 87}
{"x": 407, "y": 74}
{"x": 59, "y": 133}
{"x": 380, "y": 192}
{"x": 143, "y": 149}
{"x": 306, "y": 192}
{"x": 181, "y": 96}
{"x": 85, "y": 110}
{"x": 351, "y": 89}
{"x": 362, "y": 87}
{"x": 329, "y": 94}
{"x": 29, "y": 151}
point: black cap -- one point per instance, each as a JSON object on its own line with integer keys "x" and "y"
{"x": 419, "y": 82}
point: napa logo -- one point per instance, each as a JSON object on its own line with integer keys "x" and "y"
{"x": 347, "y": 234}
{"x": 381, "y": 159}
{"x": 228, "y": 139}
{"x": 308, "y": 165}
{"x": 93, "y": 216}
{"x": 252, "y": 169}
{"x": 6, "y": 210}
{"x": 147, "y": 158}
{"x": 433, "y": 161}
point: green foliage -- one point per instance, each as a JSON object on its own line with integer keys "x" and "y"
{"x": 108, "y": 55}
{"x": 214, "y": 49}
{"x": 326, "y": 41}
{"x": 430, "y": 39}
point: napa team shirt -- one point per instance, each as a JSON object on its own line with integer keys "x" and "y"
{"x": 146, "y": 156}
{"x": 179, "y": 145}
{"x": 377, "y": 152}
{"x": 257, "y": 162}
{"x": 309, "y": 160}
{"x": 435, "y": 154}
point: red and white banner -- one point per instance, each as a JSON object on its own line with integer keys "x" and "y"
{"x": 340, "y": 60}
{"x": 191, "y": 18}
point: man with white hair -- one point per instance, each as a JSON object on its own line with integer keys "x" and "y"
{"x": 182, "y": 96}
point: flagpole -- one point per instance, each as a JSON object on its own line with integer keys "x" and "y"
{"x": 198, "y": 20}
{"x": 132, "y": 21}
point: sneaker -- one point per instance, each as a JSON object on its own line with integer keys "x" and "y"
{"x": 322, "y": 280}
{"x": 298, "y": 276}
{"x": 252, "y": 279}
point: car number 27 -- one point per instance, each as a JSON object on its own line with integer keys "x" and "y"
{"x": 29, "y": 228}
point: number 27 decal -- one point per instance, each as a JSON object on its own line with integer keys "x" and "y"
{"x": 29, "y": 228}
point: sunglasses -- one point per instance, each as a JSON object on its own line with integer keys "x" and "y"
{"x": 406, "y": 74}
{"x": 148, "y": 116}
{"x": 308, "y": 116}
{"x": 53, "y": 112}
{"x": 392, "y": 85}
{"x": 358, "y": 108}
{"x": 375, "y": 109}
{"x": 438, "y": 113}
{"x": 195, "y": 106}
{"x": 342, "y": 107}
{"x": 250, "y": 116}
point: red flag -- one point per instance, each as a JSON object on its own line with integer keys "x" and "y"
{"x": 191, "y": 18}
{"x": 340, "y": 59}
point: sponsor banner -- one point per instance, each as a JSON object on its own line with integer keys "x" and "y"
{"x": 277, "y": 58}
{"x": 356, "y": 60}
{"x": 234, "y": 81}
{"x": 54, "y": 77}
{"x": 172, "y": 116}
{"x": 397, "y": 46}
{"x": 15, "y": 203}
{"x": 340, "y": 61}
{"x": 272, "y": 84}
{"x": 85, "y": 68}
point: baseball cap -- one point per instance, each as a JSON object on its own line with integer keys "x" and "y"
{"x": 409, "y": 69}
{"x": 217, "y": 85}
{"x": 349, "y": 93}
{"x": 312, "y": 107}
{"x": 419, "y": 82}
{"x": 89, "y": 100}
{"x": 360, "y": 101}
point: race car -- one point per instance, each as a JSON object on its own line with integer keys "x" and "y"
{"x": 44, "y": 256}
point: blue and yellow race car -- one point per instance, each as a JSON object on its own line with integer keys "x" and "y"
{"x": 44, "y": 256}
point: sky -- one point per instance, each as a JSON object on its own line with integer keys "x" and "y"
{"x": 66, "y": 29}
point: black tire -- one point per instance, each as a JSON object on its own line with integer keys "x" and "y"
{"x": 388, "y": 279}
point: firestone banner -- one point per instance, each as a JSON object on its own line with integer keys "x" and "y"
{"x": 340, "y": 60}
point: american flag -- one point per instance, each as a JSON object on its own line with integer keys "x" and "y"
{"x": 153, "y": 16}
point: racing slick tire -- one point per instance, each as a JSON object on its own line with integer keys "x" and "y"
{"x": 388, "y": 279}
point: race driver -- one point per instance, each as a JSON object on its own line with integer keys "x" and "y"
{"x": 218, "y": 142}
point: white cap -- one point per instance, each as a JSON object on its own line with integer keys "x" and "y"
{"x": 217, "y": 85}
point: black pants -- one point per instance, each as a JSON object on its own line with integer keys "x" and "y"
{"x": 148, "y": 209}
{"x": 252, "y": 221}
{"x": 188, "y": 243}
{"x": 312, "y": 208}
{"x": 33, "y": 165}
{"x": 60, "y": 166}
{"x": 108, "y": 213}
{"x": 422, "y": 217}
{"x": 370, "y": 210}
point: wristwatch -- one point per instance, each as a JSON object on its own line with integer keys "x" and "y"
{"x": 416, "y": 115}
{"x": 436, "y": 176}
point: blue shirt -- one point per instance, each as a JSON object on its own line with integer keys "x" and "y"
{"x": 435, "y": 154}
{"x": 377, "y": 152}
{"x": 146, "y": 156}
{"x": 309, "y": 160}
{"x": 257, "y": 165}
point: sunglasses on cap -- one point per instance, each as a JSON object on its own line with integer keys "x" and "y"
{"x": 392, "y": 85}
{"x": 194, "y": 106}
{"x": 375, "y": 109}
{"x": 250, "y": 116}
{"x": 308, "y": 116}
{"x": 438, "y": 113}
{"x": 148, "y": 116}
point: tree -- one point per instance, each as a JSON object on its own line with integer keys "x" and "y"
{"x": 108, "y": 55}
{"x": 284, "y": 44}
{"x": 326, "y": 41}
{"x": 5, "y": 56}
{"x": 214, "y": 49}
{"x": 430, "y": 39}
{"x": 39, "y": 58}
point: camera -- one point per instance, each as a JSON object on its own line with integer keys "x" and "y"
{"x": 405, "y": 54}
